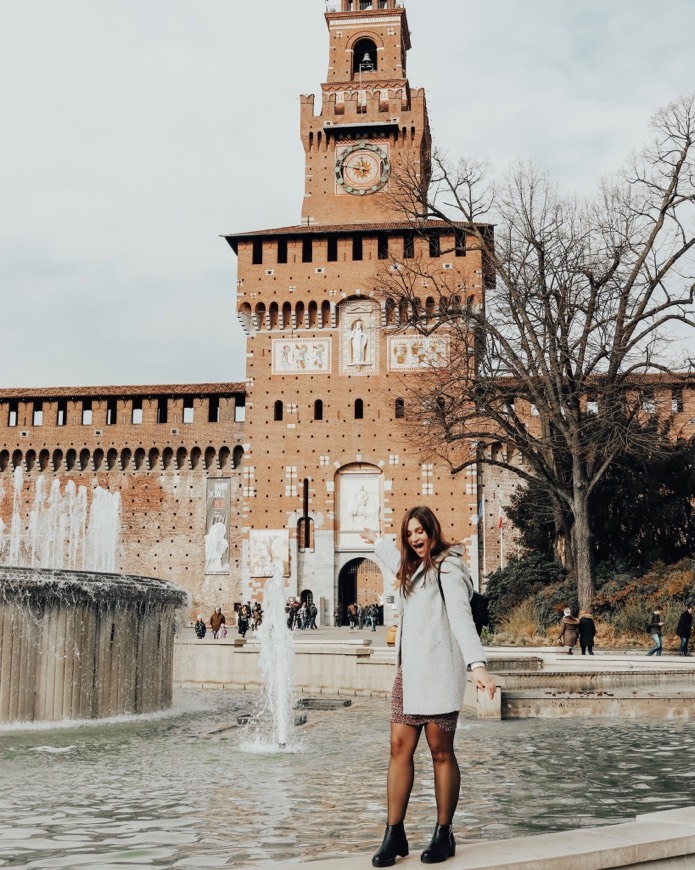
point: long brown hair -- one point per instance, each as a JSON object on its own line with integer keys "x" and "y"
{"x": 410, "y": 561}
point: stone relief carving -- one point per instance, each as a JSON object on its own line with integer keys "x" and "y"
{"x": 359, "y": 338}
{"x": 303, "y": 357}
{"x": 412, "y": 352}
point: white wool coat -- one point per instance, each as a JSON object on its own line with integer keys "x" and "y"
{"x": 434, "y": 641}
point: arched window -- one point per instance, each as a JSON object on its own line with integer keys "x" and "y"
{"x": 364, "y": 57}
{"x": 98, "y": 459}
{"x": 260, "y": 316}
{"x": 153, "y": 459}
{"x": 196, "y": 453}
{"x": 139, "y": 459}
{"x": 273, "y": 312}
{"x": 181, "y": 457}
{"x": 209, "y": 457}
{"x": 305, "y": 535}
{"x": 400, "y": 409}
{"x": 325, "y": 314}
{"x": 111, "y": 458}
{"x": 318, "y": 410}
{"x": 313, "y": 315}
{"x": 286, "y": 315}
{"x": 359, "y": 409}
{"x": 278, "y": 411}
{"x": 238, "y": 456}
{"x": 245, "y": 316}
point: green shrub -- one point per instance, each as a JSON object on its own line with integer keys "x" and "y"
{"x": 521, "y": 578}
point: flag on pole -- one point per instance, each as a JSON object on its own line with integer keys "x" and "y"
{"x": 500, "y": 514}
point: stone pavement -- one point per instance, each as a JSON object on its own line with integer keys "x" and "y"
{"x": 662, "y": 841}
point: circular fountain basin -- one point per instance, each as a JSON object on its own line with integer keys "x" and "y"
{"x": 83, "y": 644}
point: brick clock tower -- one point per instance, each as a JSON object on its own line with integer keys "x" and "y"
{"x": 327, "y": 359}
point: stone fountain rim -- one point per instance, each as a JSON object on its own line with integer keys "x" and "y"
{"x": 49, "y": 582}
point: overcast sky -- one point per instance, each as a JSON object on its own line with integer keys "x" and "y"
{"x": 134, "y": 132}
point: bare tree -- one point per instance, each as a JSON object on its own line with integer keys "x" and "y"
{"x": 560, "y": 360}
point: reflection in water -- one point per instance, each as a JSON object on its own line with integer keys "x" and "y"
{"x": 168, "y": 792}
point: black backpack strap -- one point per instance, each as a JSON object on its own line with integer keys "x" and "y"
{"x": 439, "y": 582}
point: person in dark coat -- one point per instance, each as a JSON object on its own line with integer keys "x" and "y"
{"x": 243, "y": 620}
{"x": 655, "y": 626}
{"x": 200, "y": 627}
{"x": 587, "y": 632}
{"x": 569, "y": 630}
{"x": 684, "y": 630}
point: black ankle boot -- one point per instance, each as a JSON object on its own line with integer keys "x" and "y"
{"x": 441, "y": 847}
{"x": 394, "y": 844}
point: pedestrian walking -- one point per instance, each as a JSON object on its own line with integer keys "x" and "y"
{"x": 217, "y": 620}
{"x": 243, "y": 620}
{"x": 684, "y": 629}
{"x": 436, "y": 640}
{"x": 569, "y": 630}
{"x": 654, "y": 627}
{"x": 200, "y": 627}
{"x": 587, "y": 632}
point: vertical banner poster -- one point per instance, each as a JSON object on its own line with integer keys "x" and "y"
{"x": 218, "y": 509}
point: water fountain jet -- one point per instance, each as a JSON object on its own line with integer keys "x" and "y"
{"x": 273, "y": 723}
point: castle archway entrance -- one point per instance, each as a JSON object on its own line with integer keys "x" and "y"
{"x": 360, "y": 582}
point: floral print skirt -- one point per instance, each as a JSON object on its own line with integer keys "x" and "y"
{"x": 446, "y": 721}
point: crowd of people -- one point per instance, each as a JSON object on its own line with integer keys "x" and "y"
{"x": 582, "y": 630}
{"x": 247, "y": 617}
{"x": 300, "y": 614}
{"x": 358, "y": 615}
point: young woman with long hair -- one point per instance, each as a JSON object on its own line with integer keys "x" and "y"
{"x": 436, "y": 640}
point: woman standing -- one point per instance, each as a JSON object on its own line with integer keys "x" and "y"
{"x": 587, "y": 632}
{"x": 436, "y": 640}
{"x": 569, "y": 630}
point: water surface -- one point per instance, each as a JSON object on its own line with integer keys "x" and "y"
{"x": 166, "y": 791}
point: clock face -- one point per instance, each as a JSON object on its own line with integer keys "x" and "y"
{"x": 362, "y": 169}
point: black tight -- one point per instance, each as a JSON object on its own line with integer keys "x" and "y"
{"x": 447, "y": 776}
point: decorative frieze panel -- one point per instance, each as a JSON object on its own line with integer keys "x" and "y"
{"x": 413, "y": 352}
{"x": 304, "y": 357}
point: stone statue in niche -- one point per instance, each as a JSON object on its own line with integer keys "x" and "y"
{"x": 359, "y": 337}
{"x": 359, "y": 343}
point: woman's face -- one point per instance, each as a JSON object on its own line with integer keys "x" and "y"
{"x": 418, "y": 539}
